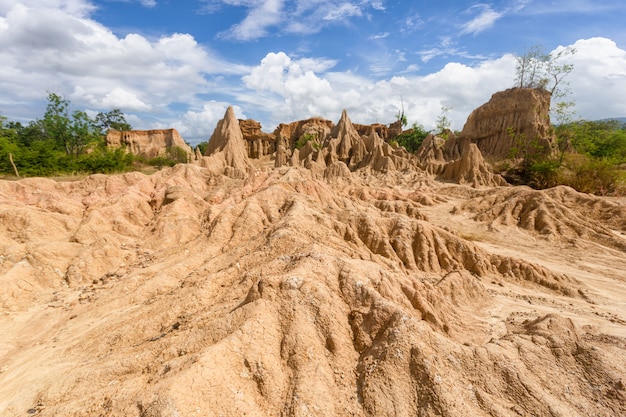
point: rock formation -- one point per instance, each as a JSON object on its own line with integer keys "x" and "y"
{"x": 471, "y": 169}
{"x": 288, "y": 133}
{"x": 148, "y": 143}
{"x": 226, "y": 149}
{"x": 385, "y": 132}
{"x": 511, "y": 118}
{"x": 352, "y": 282}
{"x": 258, "y": 143}
{"x": 187, "y": 292}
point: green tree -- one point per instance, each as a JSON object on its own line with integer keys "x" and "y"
{"x": 202, "y": 147}
{"x": 114, "y": 119}
{"x": 413, "y": 138}
{"x": 56, "y": 122}
{"x": 443, "y": 121}
{"x": 83, "y": 131}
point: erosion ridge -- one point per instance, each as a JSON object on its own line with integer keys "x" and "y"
{"x": 286, "y": 293}
{"x": 347, "y": 277}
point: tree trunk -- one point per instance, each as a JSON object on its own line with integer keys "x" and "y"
{"x": 17, "y": 174}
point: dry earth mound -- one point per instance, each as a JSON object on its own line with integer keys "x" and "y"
{"x": 148, "y": 143}
{"x": 510, "y": 116}
{"x": 190, "y": 292}
{"x": 471, "y": 169}
{"x": 556, "y": 213}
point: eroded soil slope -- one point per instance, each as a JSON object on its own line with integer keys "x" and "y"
{"x": 189, "y": 293}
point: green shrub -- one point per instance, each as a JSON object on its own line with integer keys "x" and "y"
{"x": 412, "y": 138}
{"x": 177, "y": 154}
{"x": 601, "y": 176}
{"x": 306, "y": 138}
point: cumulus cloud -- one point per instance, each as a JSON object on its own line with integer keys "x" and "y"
{"x": 118, "y": 98}
{"x": 298, "y": 94}
{"x": 598, "y": 85}
{"x": 48, "y": 45}
{"x": 199, "y": 125}
{"x": 598, "y": 81}
{"x": 298, "y": 89}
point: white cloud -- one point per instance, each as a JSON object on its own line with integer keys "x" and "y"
{"x": 485, "y": 20}
{"x": 379, "y": 36}
{"x": 48, "y": 45}
{"x": 200, "y": 124}
{"x": 262, "y": 15}
{"x": 342, "y": 11}
{"x": 288, "y": 16}
{"x": 118, "y": 98}
{"x": 299, "y": 94}
{"x": 294, "y": 83}
{"x": 598, "y": 81}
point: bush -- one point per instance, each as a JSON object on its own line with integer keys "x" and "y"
{"x": 412, "y": 138}
{"x": 177, "y": 154}
{"x": 306, "y": 138}
{"x": 161, "y": 161}
{"x": 593, "y": 175}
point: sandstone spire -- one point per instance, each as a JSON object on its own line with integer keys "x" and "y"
{"x": 227, "y": 145}
{"x": 471, "y": 169}
{"x": 347, "y": 135}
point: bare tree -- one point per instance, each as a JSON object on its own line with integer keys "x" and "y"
{"x": 536, "y": 69}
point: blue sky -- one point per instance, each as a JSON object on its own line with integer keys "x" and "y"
{"x": 169, "y": 63}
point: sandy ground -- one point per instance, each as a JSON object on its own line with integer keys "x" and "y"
{"x": 187, "y": 293}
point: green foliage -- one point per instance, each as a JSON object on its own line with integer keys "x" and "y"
{"x": 591, "y": 158}
{"x": 178, "y": 155}
{"x": 60, "y": 143}
{"x": 412, "y": 139}
{"x": 306, "y": 138}
{"x": 537, "y": 166}
{"x": 161, "y": 161}
{"x": 443, "y": 122}
{"x": 112, "y": 120}
{"x": 174, "y": 155}
{"x": 402, "y": 118}
{"x": 593, "y": 175}
{"x": 537, "y": 69}
{"x": 202, "y": 147}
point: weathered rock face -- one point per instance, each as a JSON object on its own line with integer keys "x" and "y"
{"x": 471, "y": 169}
{"x": 347, "y": 137}
{"x": 227, "y": 149}
{"x": 359, "y": 287}
{"x": 288, "y": 134}
{"x": 148, "y": 143}
{"x": 186, "y": 293}
{"x": 385, "y": 132}
{"x": 343, "y": 143}
{"x": 511, "y": 115}
{"x": 258, "y": 143}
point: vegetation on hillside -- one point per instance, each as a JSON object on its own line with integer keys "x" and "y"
{"x": 590, "y": 156}
{"x": 67, "y": 142}
{"x": 411, "y": 139}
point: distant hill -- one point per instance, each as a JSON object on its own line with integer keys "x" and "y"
{"x": 622, "y": 120}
